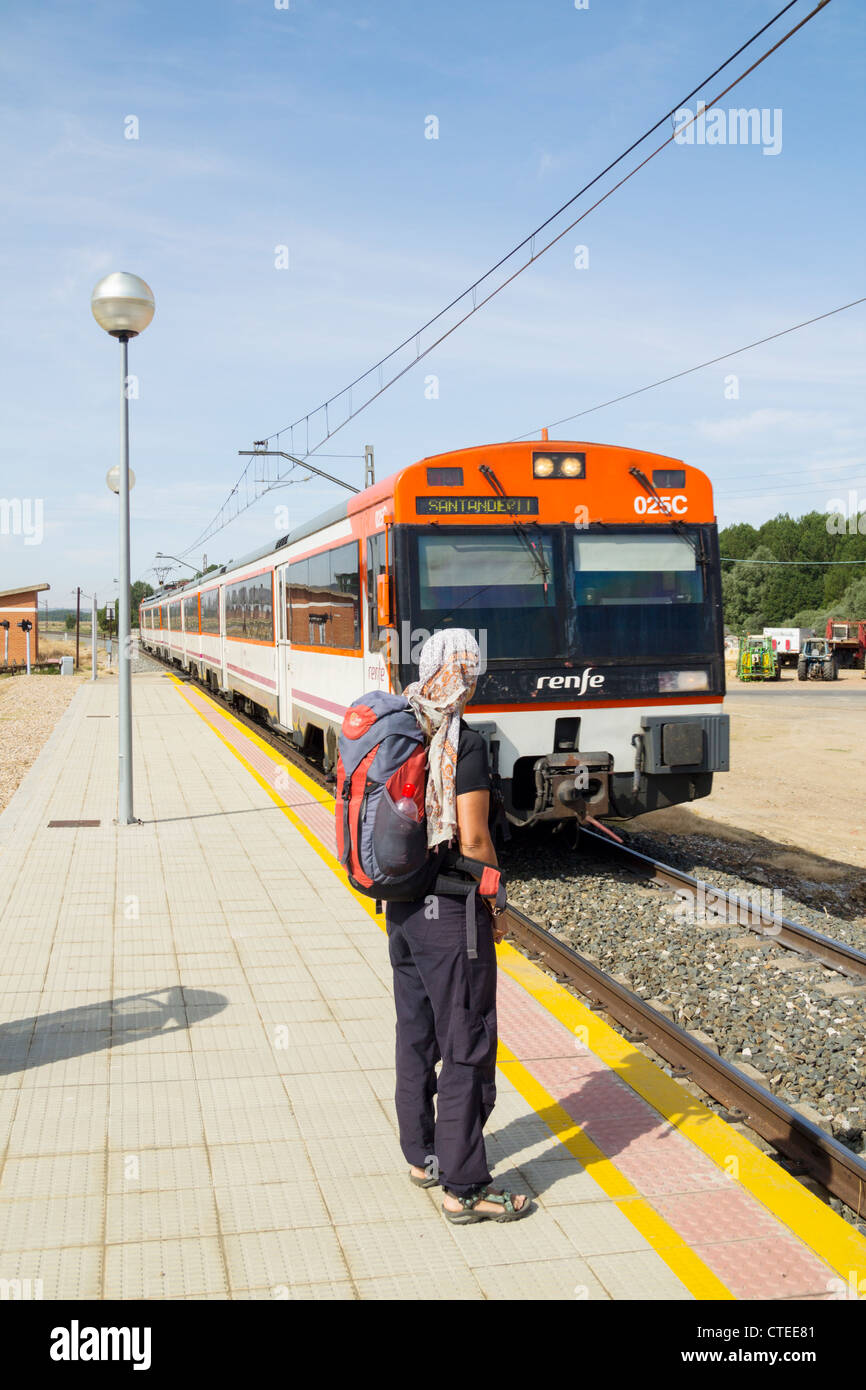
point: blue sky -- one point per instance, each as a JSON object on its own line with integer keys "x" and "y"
{"x": 261, "y": 127}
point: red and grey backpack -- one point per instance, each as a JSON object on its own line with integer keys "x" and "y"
{"x": 382, "y": 759}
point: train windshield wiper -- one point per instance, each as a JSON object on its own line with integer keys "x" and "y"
{"x": 536, "y": 552}
{"x": 697, "y": 545}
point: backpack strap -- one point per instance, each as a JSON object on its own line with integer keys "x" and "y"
{"x": 485, "y": 879}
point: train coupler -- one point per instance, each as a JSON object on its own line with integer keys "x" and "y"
{"x": 578, "y": 783}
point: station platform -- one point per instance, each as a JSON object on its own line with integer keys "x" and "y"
{"x": 196, "y": 1069}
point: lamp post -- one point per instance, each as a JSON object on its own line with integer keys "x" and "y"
{"x": 123, "y": 305}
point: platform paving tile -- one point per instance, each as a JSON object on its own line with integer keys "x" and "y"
{"x": 637, "y": 1275}
{"x": 160, "y": 1214}
{"x": 373, "y": 1056}
{"x": 74, "y": 1272}
{"x": 43, "y": 1223}
{"x": 253, "y": 1164}
{"x": 308, "y": 1255}
{"x": 53, "y": 1120}
{"x": 68, "y": 1175}
{"x": 83, "y": 1069}
{"x": 768, "y": 1266}
{"x": 317, "y": 1059}
{"x": 271, "y": 1206}
{"x": 161, "y": 1269}
{"x": 561, "y": 1184}
{"x": 420, "y": 1287}
{"x": 133, "y": 1129}
{"x": 563, "y": 1279}
{"x": 334, "y": 1290}
{"x": 266, "y": 1122}
{"x": 375, "y": 1198}
{"x": 403, "y": 1245}
{"x": 132, "y": 1067}
{"x": 158, "y": 1170}
{"x": 598, "y": 1228}
{"x": 537, "y": 1237}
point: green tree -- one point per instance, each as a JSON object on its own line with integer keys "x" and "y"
{"x": 738, "y": 541}
{"x": 139, "y": 591}
{"x": 744, "y": 592}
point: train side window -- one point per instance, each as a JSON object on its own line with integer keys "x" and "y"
{"x": 298, "y": 598}
{"x": 324, "y": 599}
{"x": 190, "y": 613}
{"x": 345, "y": 592}
{"x": 210, "y": 611}
{"x": 249, "y": 609}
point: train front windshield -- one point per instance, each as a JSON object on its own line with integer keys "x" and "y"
{"x": 639, "y": 594}
{"x": 504, "y": 582}
{"x": 625, "y": 594}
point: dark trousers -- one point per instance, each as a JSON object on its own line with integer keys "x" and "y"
{"x": 446, "y": 1009}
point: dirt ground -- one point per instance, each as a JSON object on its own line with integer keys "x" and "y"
{"x": 31, "y": 705}
{"x": 796, "y": 792}
{"x": 54, "y": 644}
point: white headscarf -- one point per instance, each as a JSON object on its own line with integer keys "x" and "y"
{"x": 447, "y": 670}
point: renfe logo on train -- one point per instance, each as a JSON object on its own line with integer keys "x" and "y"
{"x": 578, "y": 682}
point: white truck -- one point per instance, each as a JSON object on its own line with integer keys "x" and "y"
{"x": 788, "y": 642}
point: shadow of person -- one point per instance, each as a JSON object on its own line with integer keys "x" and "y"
{"x": 54, "y": 1037}
{"x": 600, "y": 1115}
{"x": 614, "y": 1119}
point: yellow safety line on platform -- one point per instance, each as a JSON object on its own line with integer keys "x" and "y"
{"x": 816, "y": 1224}
{"x": 676, "y": 1253}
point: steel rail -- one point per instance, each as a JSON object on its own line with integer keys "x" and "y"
{"x": 835, "y": 955}
{"x": 840, "y": 1170}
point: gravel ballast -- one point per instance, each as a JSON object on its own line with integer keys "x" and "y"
{"x": 801, "y": 1026}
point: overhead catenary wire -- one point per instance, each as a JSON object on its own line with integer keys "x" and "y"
{"x": 332, "y": 427}
{"x": 710, "y": 362}
{"x": 738, "y": 560}
{"x": 528, "y": 240}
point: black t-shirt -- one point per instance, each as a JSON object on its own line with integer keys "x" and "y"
{"x": 473, "y": 771}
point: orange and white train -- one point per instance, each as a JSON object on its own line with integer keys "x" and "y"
{"x": 589, "y": 574}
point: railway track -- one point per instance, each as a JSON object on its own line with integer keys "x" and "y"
{"x": 841, "y": 1172}
{"x": 730, "y": 907}
{"x": 806, "y": 1147}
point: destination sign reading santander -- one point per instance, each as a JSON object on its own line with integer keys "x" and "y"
{"x": 476, "y": 506}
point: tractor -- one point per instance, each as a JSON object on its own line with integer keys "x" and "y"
{"x": 757, "y": 660}
{"x": 817, "y": 661}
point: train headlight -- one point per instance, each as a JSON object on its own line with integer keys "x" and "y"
{"x": 672, "y": 681}
{"x": 548, "y": 465}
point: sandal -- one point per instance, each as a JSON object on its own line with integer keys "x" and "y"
{"x": 468, "y": 1215}
{"x": 423, "y": 1182}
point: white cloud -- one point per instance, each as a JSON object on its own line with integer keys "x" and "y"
{"x": 758, "y": 422}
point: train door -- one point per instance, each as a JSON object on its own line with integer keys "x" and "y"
{"x": 284, "y": 649}
{"x": 224, "y": 675}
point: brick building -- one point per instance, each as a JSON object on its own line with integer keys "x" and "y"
{"x": 16, "y": 604}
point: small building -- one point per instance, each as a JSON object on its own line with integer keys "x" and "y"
{"x": 16, "y": 605}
